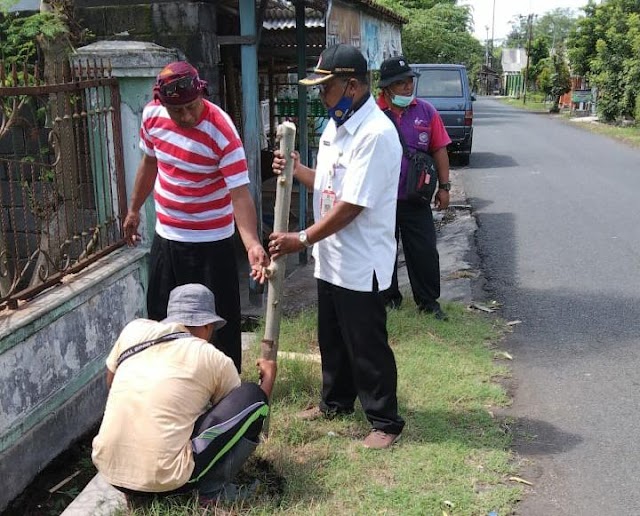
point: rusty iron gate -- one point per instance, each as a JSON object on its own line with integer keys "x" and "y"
{"x": 62, "y": 187}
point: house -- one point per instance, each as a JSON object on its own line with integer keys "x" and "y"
{"x": 514, "y": 63}
{"x": 489, "y": 81}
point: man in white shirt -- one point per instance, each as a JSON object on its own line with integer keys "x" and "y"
{"x": 177, "y": 416}
{"x": 353, "y": 237}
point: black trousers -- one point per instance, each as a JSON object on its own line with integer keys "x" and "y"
{"x": 356, "y": 357}
{"x": 414, "y": 224}
{"x": 239, "y": 415}
{"x": 213, "y": 264}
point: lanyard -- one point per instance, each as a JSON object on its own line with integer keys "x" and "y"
{"x": 148, "y": 343}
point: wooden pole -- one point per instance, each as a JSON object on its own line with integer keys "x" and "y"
{"x": 526, "y": 72}
{"x": 276, "y": 270}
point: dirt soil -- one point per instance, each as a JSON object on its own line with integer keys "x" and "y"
{"x": 37, "y": 500}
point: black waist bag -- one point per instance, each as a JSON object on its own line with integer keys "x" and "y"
{"x": 422, "y": 177}
{"x": 422, "y": 174}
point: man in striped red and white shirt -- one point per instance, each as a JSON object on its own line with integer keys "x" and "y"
{"x": 195, "y": 164}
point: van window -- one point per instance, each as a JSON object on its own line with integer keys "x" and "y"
{"x": 439, "y": 83}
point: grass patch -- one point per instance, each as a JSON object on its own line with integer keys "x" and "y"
{"x": 629, "y": 135}
{"x": 535, "y": 102}
{"x": 453, "y": 456}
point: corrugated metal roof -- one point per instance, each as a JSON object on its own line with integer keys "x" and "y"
{"x": 281, "y": 13}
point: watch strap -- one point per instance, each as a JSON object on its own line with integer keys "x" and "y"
{"x": 302, "y": 236}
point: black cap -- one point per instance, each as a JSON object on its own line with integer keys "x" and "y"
{"x": 394, "y": 69}
{"x": 337, "y": 60}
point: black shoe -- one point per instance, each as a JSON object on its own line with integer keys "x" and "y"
{"x": 393, "y": 303}
{"x": 437, "y": 312}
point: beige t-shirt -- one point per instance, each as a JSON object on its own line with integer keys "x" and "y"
{"x": 156, "y": 396}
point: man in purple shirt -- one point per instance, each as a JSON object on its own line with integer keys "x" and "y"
{"x": 422, "y": 129}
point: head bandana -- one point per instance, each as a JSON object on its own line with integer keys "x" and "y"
{"x": 178, "y": 83}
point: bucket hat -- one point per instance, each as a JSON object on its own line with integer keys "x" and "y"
{"x": 193, "y": 304}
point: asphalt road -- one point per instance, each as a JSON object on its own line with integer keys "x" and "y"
{"x": 559, "y": 241}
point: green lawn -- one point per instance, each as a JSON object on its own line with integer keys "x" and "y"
{"x": 453, "y": 457}
{"x": 534, "y": 102}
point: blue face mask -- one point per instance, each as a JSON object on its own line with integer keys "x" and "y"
{"x": 402, "y": 101}
{"x": 341, "y": 111}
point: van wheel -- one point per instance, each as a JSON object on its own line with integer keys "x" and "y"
{"x": 463, "y": 159}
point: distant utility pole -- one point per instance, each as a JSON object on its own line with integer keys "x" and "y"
{"x": 493, "y": 23}
{"x": 526, "y": 71}
{"x": 486, "y": 47}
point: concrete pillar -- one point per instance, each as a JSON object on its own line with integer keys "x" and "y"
{"x": 251, "y": 120}
{"x": 136, "y": 65}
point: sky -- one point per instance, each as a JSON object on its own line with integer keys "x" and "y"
{"x": 505, "y": 10}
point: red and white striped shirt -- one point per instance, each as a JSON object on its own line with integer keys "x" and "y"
{"x": 197, "y": 167}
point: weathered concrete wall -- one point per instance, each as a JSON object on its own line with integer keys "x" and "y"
{"x": 52, "y": 350}
{"x": 190, "y": 27}
{"x": 52, "y": 354}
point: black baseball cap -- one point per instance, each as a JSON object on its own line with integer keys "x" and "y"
{"x": 394, "y": 69}
{"x": 337, "y": 60}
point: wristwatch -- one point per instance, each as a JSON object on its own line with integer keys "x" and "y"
{"x": 304, "y": 239}
{"x": 445, "y": 186}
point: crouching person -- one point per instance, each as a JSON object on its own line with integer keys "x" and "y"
{"x": 177, "y": 416}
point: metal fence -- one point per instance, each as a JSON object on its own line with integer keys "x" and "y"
{"x": 62, "y": 189}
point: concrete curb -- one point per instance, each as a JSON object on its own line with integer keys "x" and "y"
{"x": 98, "y": 498}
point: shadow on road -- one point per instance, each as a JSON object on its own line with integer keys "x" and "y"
{"x": 480, "y": 160}
{"x": 535, "y": 437}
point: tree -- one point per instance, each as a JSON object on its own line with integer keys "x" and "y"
{"x": 554, "y": 26}
{"x": 438, "y": 32}
{"x": 539, "y": 53}
{"x": 519, "y": 34}
{"x": 18, "y": 45}
{"x": 605, "y": 46}
{"x": 582, "y": 39}
{"x": 554, "y": 78}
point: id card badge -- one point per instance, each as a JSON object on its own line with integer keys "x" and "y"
{"x": 327, "y": 200}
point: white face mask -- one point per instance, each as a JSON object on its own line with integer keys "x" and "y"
{"x": 402, "y": 101}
